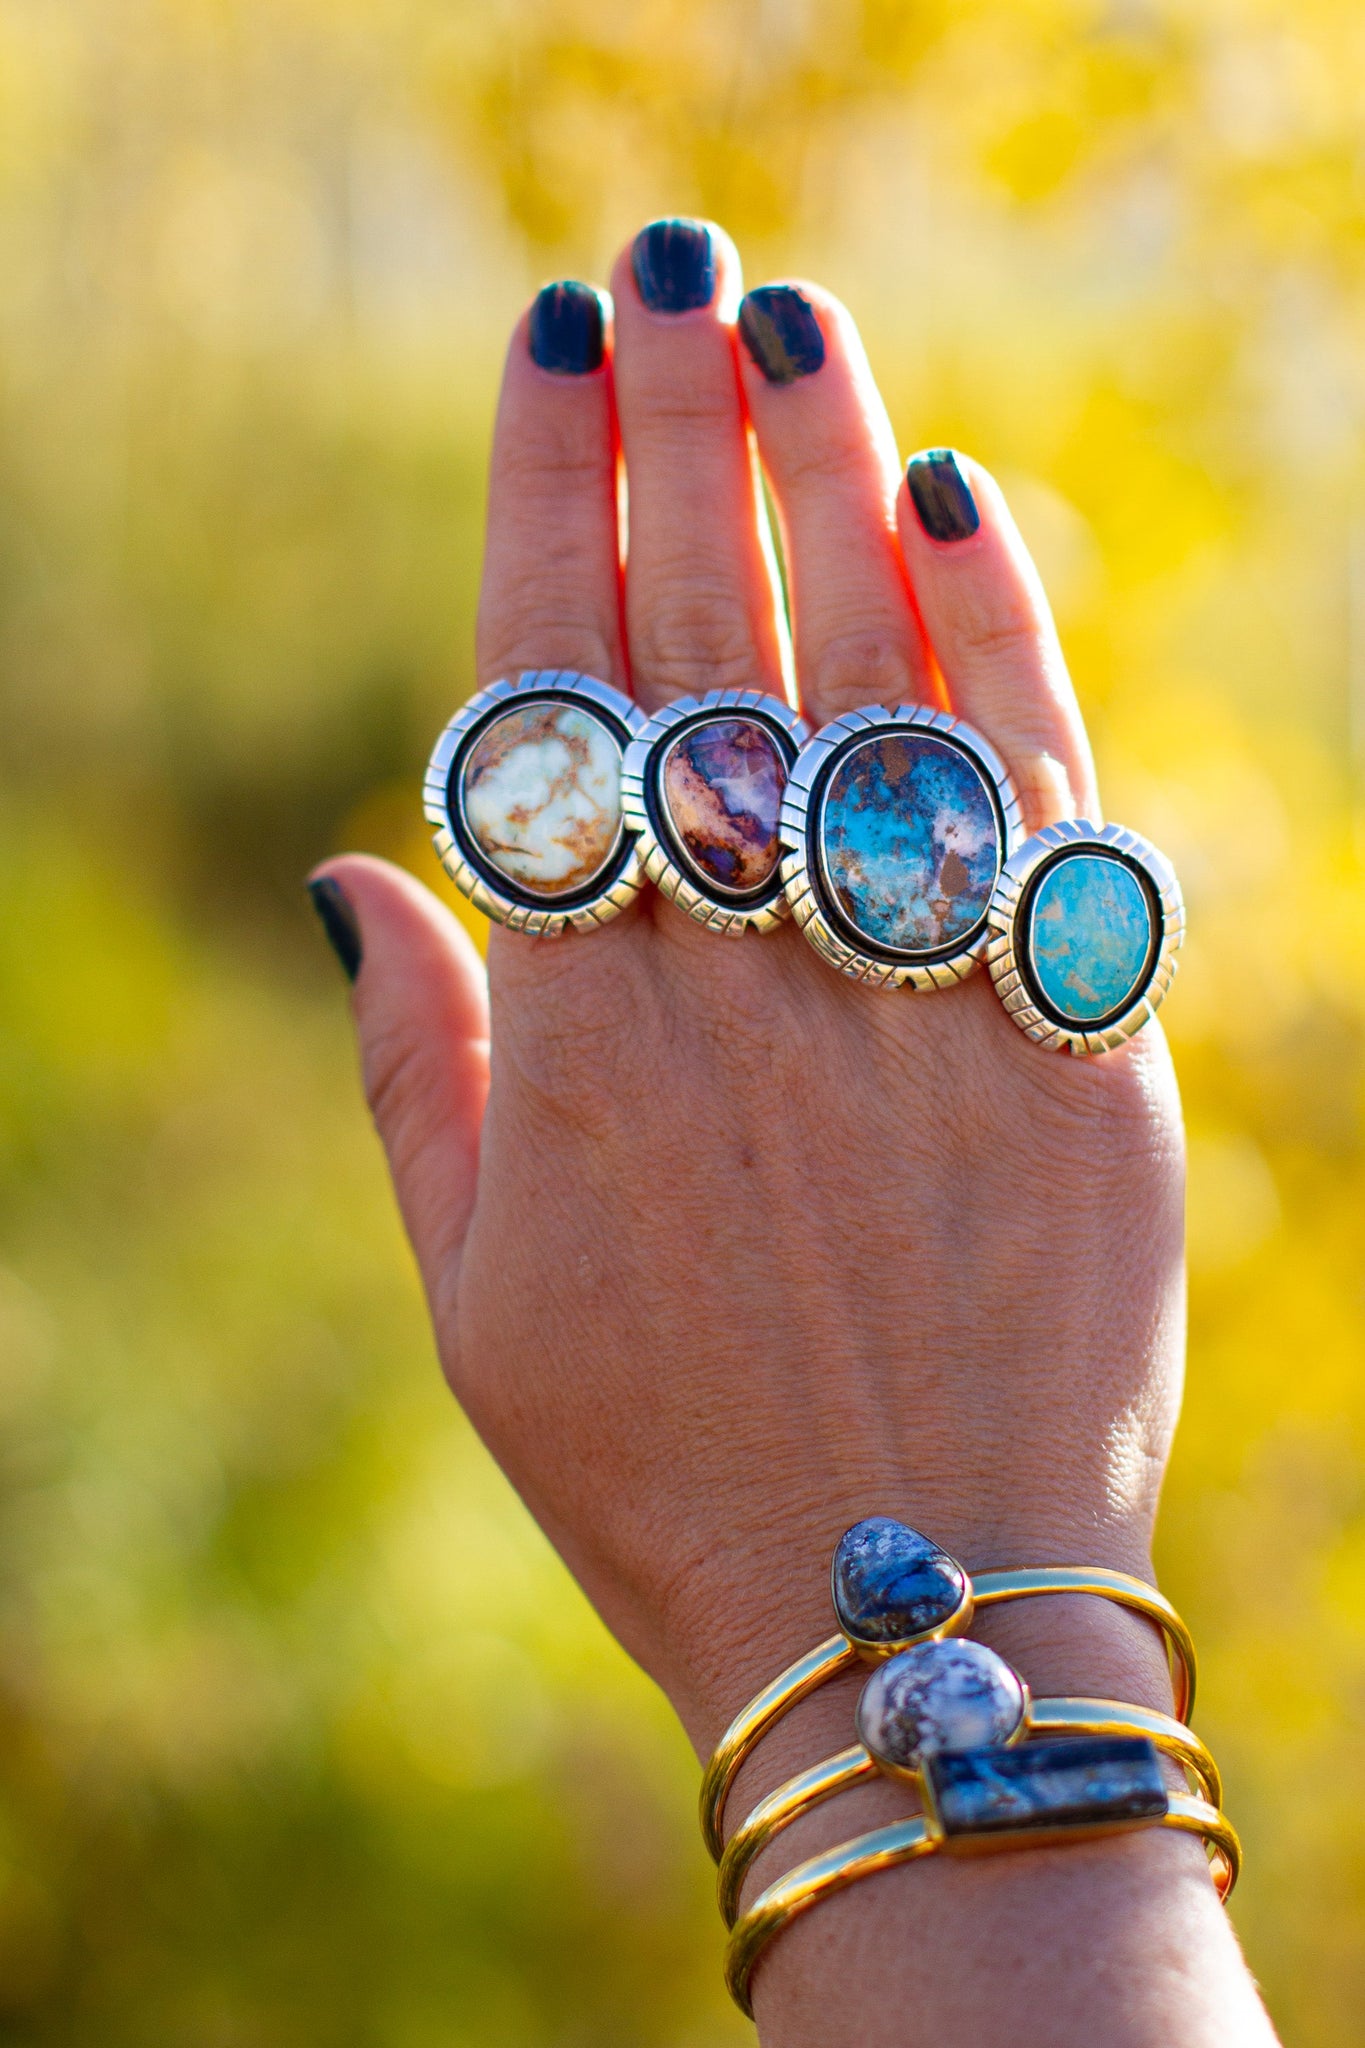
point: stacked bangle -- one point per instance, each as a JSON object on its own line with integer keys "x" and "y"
{"x": 812, "y": 1788}
{"x": 994, "y": 1768}
{"x": 893, "y": 1587}
{"x": 894, "y": 837}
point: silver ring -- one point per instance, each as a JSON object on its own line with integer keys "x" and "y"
{"x": 702, "y": 790}
{"x": 1085, "y": 927}
{"x": 524, "y": 790}
{"x": 886, "y": 911}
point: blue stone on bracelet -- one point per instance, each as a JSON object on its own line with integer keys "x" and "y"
{"x": 891, "y": 1584}
{"x": 910, "y": 842}
{"x": 937, "y": 1697}
{"x": 1085, "y": 1781}
{"x": 1090, "y": 937}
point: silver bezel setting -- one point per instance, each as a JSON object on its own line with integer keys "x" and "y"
{"x": 730, "y": 913}
{"x": 801, "y": 867}
{"x": 1007, "y": 955}
{"x": 469, "y": 869}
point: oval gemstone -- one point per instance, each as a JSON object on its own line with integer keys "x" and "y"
{"x": 541, "y": 794}
{"x": 936, "y": 1698}
{"x": 1090, "y": 937}
{"x": 721, "y": 788}
{"x": 910, "y": 842}
{"x": 891, "y": 1584}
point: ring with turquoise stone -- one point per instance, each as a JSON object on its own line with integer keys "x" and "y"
{"x": 1085, "y": 927}
{"x": 898, "y": 824}
{"x": 524, "y": 790}
{"x": 702, "y": 791}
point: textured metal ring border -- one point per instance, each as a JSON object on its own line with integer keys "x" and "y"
{"x": 668, "y": 876}
{"x": 470, "y": 880}
{"x": 1011, "y": 984}
{"x": 798, "y": 866}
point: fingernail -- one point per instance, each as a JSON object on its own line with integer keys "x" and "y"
{"x": 675, "y": 265}
{"x": 942, "y": 496}
{"x": 781, "y": 332}
{"x": 566, "y": 329}
{"x": 339, "y": 921}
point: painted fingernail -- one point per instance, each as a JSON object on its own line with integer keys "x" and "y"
{"x": 942, "y": 496}
{"x": 675, "y": 265}
{"x": 781, "y": 332}
{"x": 566, "y": 329}
{"x": 339, "y": 921}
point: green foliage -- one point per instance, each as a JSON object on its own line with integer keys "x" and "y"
{"x": 260, "y": 1782}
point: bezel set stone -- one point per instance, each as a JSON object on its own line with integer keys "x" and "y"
{"x": 893, "y": 837}
{"x": 674, "y": 869}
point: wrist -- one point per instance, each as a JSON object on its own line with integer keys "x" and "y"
{"x": 742, "y": 1618}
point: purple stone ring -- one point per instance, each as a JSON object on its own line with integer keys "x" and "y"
{"x": 701, "y": 789}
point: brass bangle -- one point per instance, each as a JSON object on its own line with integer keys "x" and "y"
{"x": 853, "y": 1766}
{"x": 810, "y": 1882}
{"x": 991, "y": 1589}
{"x": 904, "y": 1840}
{"x": 987, "y": 1589}
{"x": 750, "y": 1726}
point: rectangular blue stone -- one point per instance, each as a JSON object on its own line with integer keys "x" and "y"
{"x": 1091, "y": 1783}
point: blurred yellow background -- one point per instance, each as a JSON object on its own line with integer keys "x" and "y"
{"x": 265, "y": 1604}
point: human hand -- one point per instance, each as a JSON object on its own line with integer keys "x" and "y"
{"x": 733, "y": 1251}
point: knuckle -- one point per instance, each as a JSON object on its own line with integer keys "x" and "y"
{"x": 863, "y": 668}
{"x": 701, "y": 640}
{"x": 567, "y": 1050}
{"x": 1004, "y": 641}
{"x": 545, "y": 635}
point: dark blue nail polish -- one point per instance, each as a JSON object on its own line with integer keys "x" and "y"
{"x": 675, "y": 265}
{"x": 339, "y": 921}
{"x": 781, "y": 332}
{"x": 566, "y": 329}
{"x": 941, "y": 495}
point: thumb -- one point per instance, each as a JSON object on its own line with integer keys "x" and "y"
{"x": 421, "y": 1014}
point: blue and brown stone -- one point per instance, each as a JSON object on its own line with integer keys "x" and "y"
{"x": 910, "y": 842}
{"x": 721, "y": 790}
{"x": 891, "y": 1584}
{"x": 541, "y": 794}
{"x": 938, "y": 1697}
{"x": 1090, "y": 937}
{"x": 1084, "y": 1782}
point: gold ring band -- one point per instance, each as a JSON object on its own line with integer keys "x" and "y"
{"x": 988, "y": 1589}
{"x": 904, "y": 1840}
{"x": 850, "y": 1767}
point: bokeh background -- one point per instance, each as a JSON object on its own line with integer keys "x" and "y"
{"x": 307, "y": 1740}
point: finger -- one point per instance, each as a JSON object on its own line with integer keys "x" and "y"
{"x": 551, "y": 579}
{"x": 421, "y": 1015}
{"x": 991, "y": 628}
{"x": 702, "y": 610}
{"x": 830, "y": 455}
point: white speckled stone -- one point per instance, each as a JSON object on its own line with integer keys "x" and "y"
{"x": 938, "y": 1697}
{"x": 541, "y": 792}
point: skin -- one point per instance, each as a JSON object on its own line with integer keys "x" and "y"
{"x": 724, "y": 1252}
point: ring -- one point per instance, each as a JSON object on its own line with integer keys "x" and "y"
{"x": 702, "y": 791}
{"x": 1085, "y": 927}
{"x": 948, "y": 1694}
{"x": 893, "y": 1588}
{"x": 524, "y": 790}
{"x": 984, "y": 1799}
{"x": 898, "y": 824}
